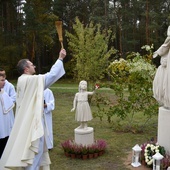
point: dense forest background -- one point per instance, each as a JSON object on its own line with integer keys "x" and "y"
{"x": 27, "y": 28}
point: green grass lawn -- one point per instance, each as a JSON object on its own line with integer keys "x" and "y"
{"x": 119, "y": 143}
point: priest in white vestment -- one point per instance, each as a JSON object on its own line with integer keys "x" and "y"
{"x": 26, "y": 148}
{"x": 49, "y": 106}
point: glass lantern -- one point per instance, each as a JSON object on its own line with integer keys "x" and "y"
{"x": 157, "y": 161}
{"x": 136, "y": 150}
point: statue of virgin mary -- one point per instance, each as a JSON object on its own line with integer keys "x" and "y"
{"x": 161, "y": 83}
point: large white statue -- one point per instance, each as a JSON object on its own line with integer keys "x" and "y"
{"x": 161, "y": 83}
{"x": 80, "y": 103}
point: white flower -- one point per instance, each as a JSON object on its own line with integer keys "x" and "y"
{"x": 121, "y": 59}
{"x": 150, "y": 162}
{"x": 152, "y": 148}
{"x": 137, "y": 54}
{"x": 156, "y": 147}
{"x": 146, "y": 160}
{"x": 147, "y": 47}
{"x": 145, "y": 154}
{"x": 149, "y": 151}
{"x": 157, "y": 150}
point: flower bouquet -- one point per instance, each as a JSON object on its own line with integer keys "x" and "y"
{"x": 101, "y": 145}
{"x": 70, "y": 147}
{"x": 150, "y": 149}
{"x": 67, "y": 145}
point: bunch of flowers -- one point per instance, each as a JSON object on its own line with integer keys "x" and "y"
{"x": 148, "y": 47}
{"x": 150, "y": 149}
{"x": 67, "y": 145}
{"x": 70, "y": 147}
{"x": 101, "y": 145}
{"x": 140, "y": 66}
{"x": 97, "y": 86}
{"x": 91, "y": 148}
{"x": 119, "y": 67}
{"x": 85, "y": 150}
{"x": 78, "y": 149}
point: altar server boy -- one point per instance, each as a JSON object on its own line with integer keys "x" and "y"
{"x": 6, "y": 122}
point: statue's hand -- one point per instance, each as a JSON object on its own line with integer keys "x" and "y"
{"x": 155, "y": 55}
{"x": 72, "y": 110}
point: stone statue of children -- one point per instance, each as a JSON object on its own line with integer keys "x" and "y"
{"x": 161, "y": 83}
{"x": 81, "y": 105}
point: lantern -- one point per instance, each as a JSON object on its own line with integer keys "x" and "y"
{"x": 157, "y": 161}
{"x": 135, "y": 155}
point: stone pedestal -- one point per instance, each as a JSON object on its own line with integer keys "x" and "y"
{"x": 84, "y": 136}
{"x": 163, "y": 128}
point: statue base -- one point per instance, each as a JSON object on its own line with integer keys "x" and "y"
{"x": 84, "y": 136}
{"x": 163, "y": 127}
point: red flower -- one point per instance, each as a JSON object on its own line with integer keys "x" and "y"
{"x": 97, "y": 86}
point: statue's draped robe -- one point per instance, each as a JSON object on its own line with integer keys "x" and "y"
{"x": 161, "y": 84}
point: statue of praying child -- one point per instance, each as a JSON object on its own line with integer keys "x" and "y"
{"x": 80, "y": 103}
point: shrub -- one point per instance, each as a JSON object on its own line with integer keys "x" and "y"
{"x": 131, "y": 82}
{"x": 71, "y": 147}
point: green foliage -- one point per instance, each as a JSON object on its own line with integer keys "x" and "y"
{"x": 132, "y": 85}
{"x": 89, "y": 47}
{"x": 64, "y": 124}
{"x": 9, "y": 56}
{"x": 39, "y": 23}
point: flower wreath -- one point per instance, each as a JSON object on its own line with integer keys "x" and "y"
{"x": 150, "y": 150}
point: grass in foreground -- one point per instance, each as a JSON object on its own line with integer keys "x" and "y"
{"x": 119, "y": 143}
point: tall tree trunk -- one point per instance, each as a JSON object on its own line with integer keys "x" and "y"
{"x": 147, "y": 22}
{"x": 33, "y": 47}
{"x": 106, "y": 13}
